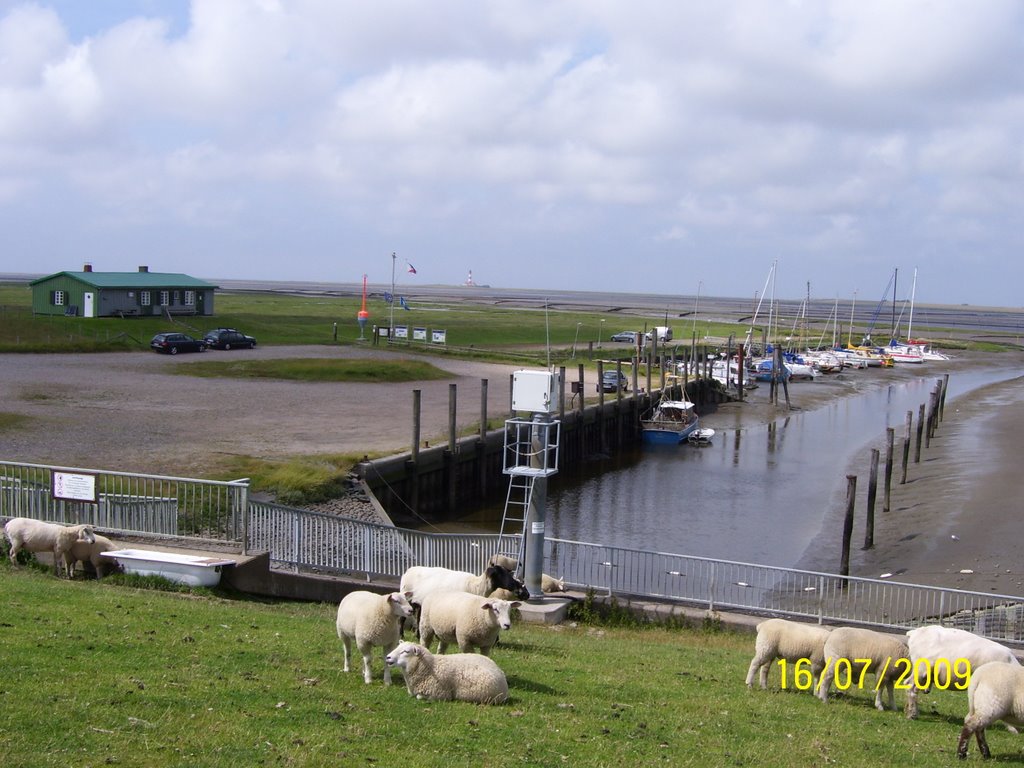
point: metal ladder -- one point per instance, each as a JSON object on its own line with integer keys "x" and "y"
{"x": 513, "y": 520}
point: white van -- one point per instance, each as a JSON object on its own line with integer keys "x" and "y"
{"x": 664, "y": 333}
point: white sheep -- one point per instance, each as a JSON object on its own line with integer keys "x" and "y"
{"x": 372, "y": 620}
{"x": 37, "y": 536}
{"x": 852, "y": 648}
{"x": 937, "y": 653}
{"x": 421, "y": 580}
{"x": 91, "y": 552}
{"x": 469, "y": 620}
{"x": 794, "y": 641}
{"x": 455, "y": 677}
{"x": 996, "y": 692}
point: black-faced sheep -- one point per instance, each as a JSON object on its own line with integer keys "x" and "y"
{"x": 938, "y": 652}
{"x": 793, "y": 641}
{"x": 455, "y": 677}
{"x": 857, "y": 647}
{"x": 371, "y": 620}
{"x": 469, "y": 620}
{"x": 996, "y": 692}
{"x": 548, "y": 584}
{"x": 36, "y": 536}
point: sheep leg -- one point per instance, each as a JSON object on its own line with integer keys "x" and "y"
{"x": 755, "y": 665}
{"x": 982, "y": 743}
{"x": 442, "y": 646}
{"x": 366, "y": 649}
{"x": 346, "y": 644}
{"x": 962, "y": 742}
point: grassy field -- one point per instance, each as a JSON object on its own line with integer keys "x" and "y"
{"x": 105, "y": 673}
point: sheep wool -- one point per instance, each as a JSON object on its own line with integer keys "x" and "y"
{"x": 881, "y": 651}
{"x": 372, "y": 621}
{"x": 455, "y": 677}
{"x": 948, "y": 650}
{"x": 84, "y": 551}
{"x": 469, "y": 620}
{"x": 790, "y": 640}
{"x": 36, "y": 536}
{"x": 996, "y": 692}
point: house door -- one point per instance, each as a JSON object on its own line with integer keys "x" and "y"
{"x": 87, "y": 305}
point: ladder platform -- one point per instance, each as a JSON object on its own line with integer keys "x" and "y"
{"x": 521, "y": 471}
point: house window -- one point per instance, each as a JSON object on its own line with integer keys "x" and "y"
{"x": 144, "y": 298}
{"x": 190, "y": 298}
{"x": 59, "y": 297}
{"x": 165, "y": 298}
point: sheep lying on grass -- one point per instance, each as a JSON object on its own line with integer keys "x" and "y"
{"x": 455, "y": 677}
{"x": 548, "y": 584}
{"x": 947, "y": 652}
{"x": 469, "y": 620}
{"x": 36, "y": 536}
{"x": 91, "y": 552}
{"x": 793, "y": 641}
{"x": 996, "y": 693}
{"x": 371, "y": 620}
{"x": 856, "y": 647}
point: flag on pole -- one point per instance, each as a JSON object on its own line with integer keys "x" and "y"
{"x": 412, "y": 269}
{"x": 401, "y": 301}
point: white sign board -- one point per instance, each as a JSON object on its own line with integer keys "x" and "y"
{"x": 438, "y": 337}
{"x": 74, "y": 486}
{"x": 401, "y": 332}
{"x": 419, "y": 334}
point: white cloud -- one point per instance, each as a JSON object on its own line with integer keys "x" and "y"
{"x": 827, "y": 133}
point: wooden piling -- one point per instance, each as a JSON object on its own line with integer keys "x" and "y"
{"x": 851, "y": 497}
{"x": 920, "y": 433}
{"x": 890, "y": 439}
{"x": 906, "y": 445}
{"x": 869, "y": 528}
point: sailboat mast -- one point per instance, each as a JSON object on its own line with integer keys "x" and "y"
{"x": 892, "y": 333}
{"x": 913, "y": 290}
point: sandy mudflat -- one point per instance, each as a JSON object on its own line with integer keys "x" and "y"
{"x": 131, "y": 412}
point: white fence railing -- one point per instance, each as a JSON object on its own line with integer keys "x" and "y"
{"x": 125, "y": 502}
{"x": 302, "y": 540}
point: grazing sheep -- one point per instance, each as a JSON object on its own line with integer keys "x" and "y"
{"x": 91, "y": 552}
{"x": 469, "y": 620}
{"x": 455, "y": 677}
{"x": 37, "y": 536}
{"x": 371, "y": 620}
{"x": 857, "y": 646}
{"x": 790, "y": 640}
{"x": 996, "y": 693}
{"x": 421, "y": 580}
{"x": 947, "y": 651}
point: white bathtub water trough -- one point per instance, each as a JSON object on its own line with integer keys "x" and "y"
{"x": 193, "y": 570}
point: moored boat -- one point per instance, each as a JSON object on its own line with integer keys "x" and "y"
{"x": 671, "y": 422}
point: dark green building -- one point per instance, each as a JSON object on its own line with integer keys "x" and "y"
{"x": 121, "y": 294}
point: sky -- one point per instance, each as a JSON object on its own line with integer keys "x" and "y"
{"x": 677, "y": 148}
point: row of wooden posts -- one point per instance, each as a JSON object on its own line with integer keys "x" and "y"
{"x": 929, "y": 416}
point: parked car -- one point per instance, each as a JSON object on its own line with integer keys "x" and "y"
{"x": 627, "y": 336}
{"x": 172, "y": 343}
{"x": 613, "y": 381}
{"x": 228, "y": 338}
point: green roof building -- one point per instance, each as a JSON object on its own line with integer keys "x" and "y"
{"x": 121, "y": 294}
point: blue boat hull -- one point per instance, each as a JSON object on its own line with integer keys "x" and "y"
{"x": 659, "y": 436}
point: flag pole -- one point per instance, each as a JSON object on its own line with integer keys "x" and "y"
{"x": 391, "y": 327}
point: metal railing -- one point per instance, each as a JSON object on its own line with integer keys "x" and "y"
{"x": 126, "y": 502}
{"x": 301, "y": 540}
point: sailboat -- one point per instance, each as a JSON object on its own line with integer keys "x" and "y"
{"x": 913, "y": 350}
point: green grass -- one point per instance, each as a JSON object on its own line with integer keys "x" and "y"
{"x": 13, "y": 421}
{"x": 101, "y": 673}
{"x": 318, "y": 369}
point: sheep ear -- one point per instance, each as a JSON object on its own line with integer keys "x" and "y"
{"x": 487, "y": 606}
{"x": 408, "y": 594}
{"x": 515, "y": 604}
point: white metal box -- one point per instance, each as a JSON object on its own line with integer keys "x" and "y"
{"x": 535, "y": 391}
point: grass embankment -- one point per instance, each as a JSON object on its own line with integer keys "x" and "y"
{"x": 104, "y": 673}
{"x": 317, "y": 369}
